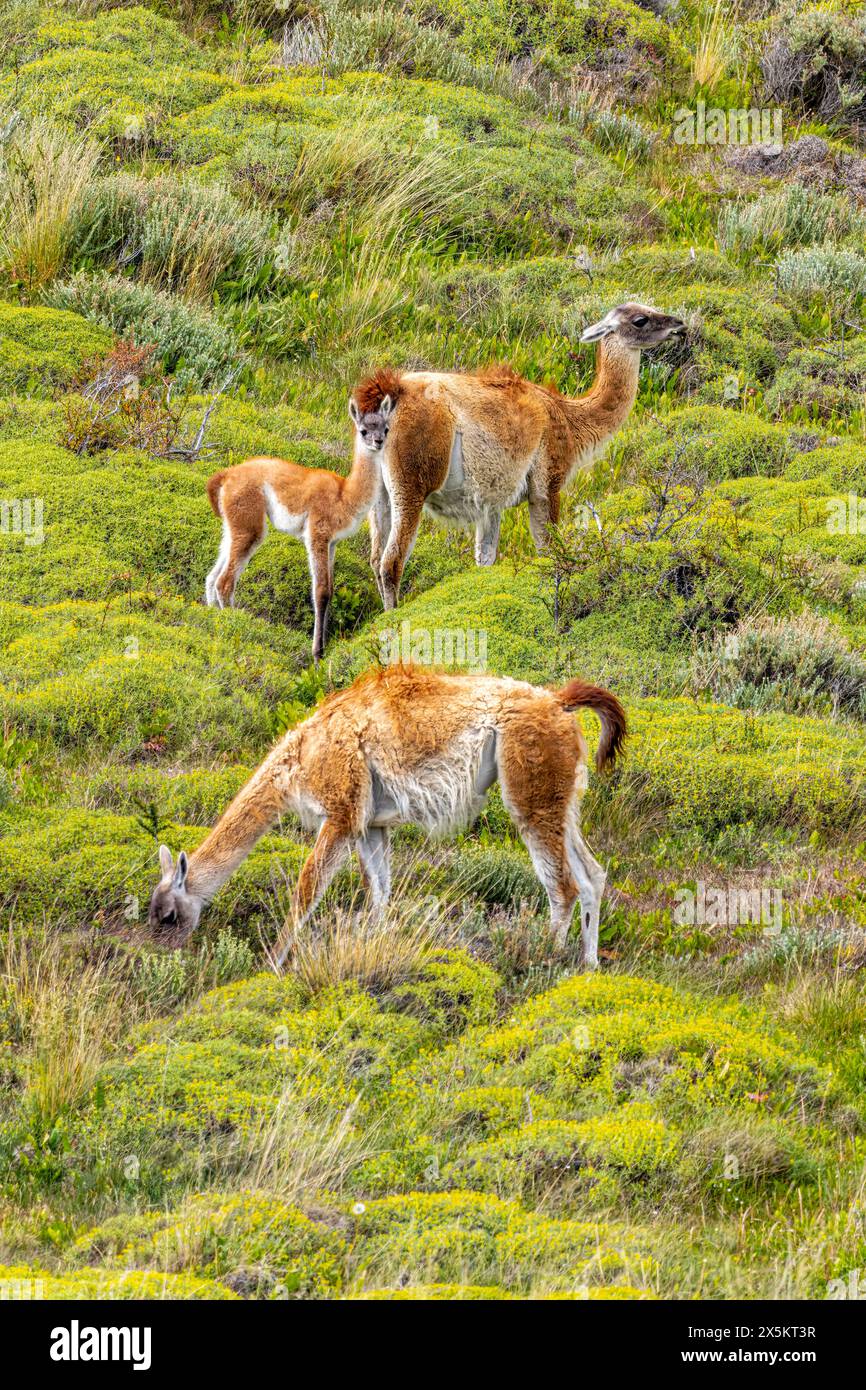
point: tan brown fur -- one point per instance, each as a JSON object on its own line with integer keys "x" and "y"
{"x": 469, "y": 445}
{"x": 315, "y": 505}
{"x": 407, "y": 745}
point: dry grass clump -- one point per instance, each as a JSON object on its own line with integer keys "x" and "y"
{"x": 376, "y": 950}
{"x": 66, "y": 1016}
{"x": 44, "y": 173}
{"x": 718, "y": 46}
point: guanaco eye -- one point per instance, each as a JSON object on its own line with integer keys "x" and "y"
{"x": 640, "y": 320}
{"x": 363, "y": 434}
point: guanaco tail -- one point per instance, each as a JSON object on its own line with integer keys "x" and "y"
{"x": 406, "y": 745}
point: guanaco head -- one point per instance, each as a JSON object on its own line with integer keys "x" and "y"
{"x": 372, "y": 425}
{"x": 174, "y": 912}
{"x": 635, "y": 326}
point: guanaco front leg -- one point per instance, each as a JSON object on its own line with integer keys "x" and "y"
{"x": 328, "y": 855}
{"x": 321, "y": 554}
{"x": 404, "y": 528}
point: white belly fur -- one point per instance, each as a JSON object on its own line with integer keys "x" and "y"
{"x": 280, "y": 517}
{"x": 443, "y": 795}
{"x": 467, "y": 500}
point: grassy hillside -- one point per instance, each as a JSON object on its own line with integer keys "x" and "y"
{"x": 230, "y": 214}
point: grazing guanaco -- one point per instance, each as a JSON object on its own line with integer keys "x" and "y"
{"x": 405, "y": 745}
{"x": 468, "y": 445}
{"x": 313, "y": 504}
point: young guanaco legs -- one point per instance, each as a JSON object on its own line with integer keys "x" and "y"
{"x": 468, "y": 445}
{"x": 313, "y": 504}
{"x": 404, "y": 746}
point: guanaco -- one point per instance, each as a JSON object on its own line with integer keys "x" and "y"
{"x": 406, "y": 745}
{"x": 469, "y": 445}
{"x": 313, "y": 504}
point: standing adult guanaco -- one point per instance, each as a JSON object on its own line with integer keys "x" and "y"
{"x": 406, "y": 745}
{"x": 469, "y": 445}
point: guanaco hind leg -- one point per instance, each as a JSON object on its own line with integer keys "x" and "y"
{"x": 374, "y": 853}
{"x": 590, "y": 879}
{"x": 245, "y": 538}
{"x": 537, "y": 775}
{"x": 222, "y": 559}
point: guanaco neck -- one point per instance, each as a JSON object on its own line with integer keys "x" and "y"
{"x": 362, "y": 484}
{"x": 607, "y": 404}
{"x": 252, "y": 813}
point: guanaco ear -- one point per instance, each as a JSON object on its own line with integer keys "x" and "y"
{"x": 354, "y": 411}
{"x": 181, "y": 871}
{"x": 166, "y": 863}
{"x": 386, "y": 408}
{"x": 598, "y": 330}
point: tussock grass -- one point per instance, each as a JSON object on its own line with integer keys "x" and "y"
{"x": 362, "y": 222}
{"x": 717, "y": 47}
{"x": 68, "y": 1016}
{"x": 376, "y": 950}
{"x": 800, "y": 664}
{"x": 336, "y": 38}
{"x": 303, "y": 1149}
{"x": 44, "y": 174}
{"x": 836, "y": 276}
{"x": 181, "y": 234}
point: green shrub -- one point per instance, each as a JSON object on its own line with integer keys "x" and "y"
{"x": 191, "y": 343}
{"x": 813, "y": 59}
{"x": 498, "y": 875}
{"x": 732, "y": 767}
{"x": 792, "y": 217}
{"x": 250, "y": 1240}
{"x": 179, "y": 234}
{"x": 820, "y": 385}
{"x": 200, "y": 1088}
{"x": 92, "y": 675}
{"x": 722, "y": 443}
{"x": 343, "y": 38}
{"x": 841, "y": 465}
{"x": 589, "y": 1088}
{"x": 618, "y": 35}
{"x": 322, "y": 155}
{"x": 119, "y": 75}
{"x": 736, "y": 332}
{"x": 111, "y": 1285}
{"x": 836, "y": 276}
{"x": 802, "y": 664}
{"x": 86, "y": 867}
{"x": 443, "y": 1237}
